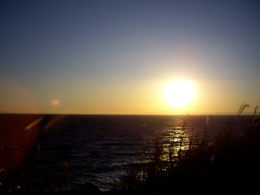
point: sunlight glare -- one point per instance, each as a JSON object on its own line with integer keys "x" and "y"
{"x": 179, "y": 93}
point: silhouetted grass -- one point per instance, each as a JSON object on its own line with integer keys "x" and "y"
{"x": 228, "y": 163}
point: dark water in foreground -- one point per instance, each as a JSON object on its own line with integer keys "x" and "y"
{"x": 99, "y": 148}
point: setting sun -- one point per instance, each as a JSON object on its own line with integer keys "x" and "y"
{"x": 179, "y": 93}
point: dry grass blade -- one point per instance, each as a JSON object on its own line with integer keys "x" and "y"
{"x": 241, "y": 109}
{"x": 255, "y": 120}
{"x": 256, "y": 108}
{"x": 185, "y": 121}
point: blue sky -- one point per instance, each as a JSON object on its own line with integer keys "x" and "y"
{"x": 99, "y": 57}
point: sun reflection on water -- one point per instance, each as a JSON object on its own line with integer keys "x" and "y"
{"x": 176, "y": 139}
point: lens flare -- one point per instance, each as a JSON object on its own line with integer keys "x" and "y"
{"x": 55, "y": 102}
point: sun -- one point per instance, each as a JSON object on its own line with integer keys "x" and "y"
{"x": 179, "y": 93}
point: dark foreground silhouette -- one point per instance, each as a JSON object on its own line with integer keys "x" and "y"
{"x": 229, "y": 163}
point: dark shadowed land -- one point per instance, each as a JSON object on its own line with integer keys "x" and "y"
{"x": 228, "y": 163}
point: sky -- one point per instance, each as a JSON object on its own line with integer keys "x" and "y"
{"x": 116, "y": 57}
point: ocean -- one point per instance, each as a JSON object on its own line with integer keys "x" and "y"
{"x": 96, "y": 148}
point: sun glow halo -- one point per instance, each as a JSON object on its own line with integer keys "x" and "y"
{"x": 179, "y": 93}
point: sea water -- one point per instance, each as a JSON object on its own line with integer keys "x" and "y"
{"x": 99, "y": 148}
